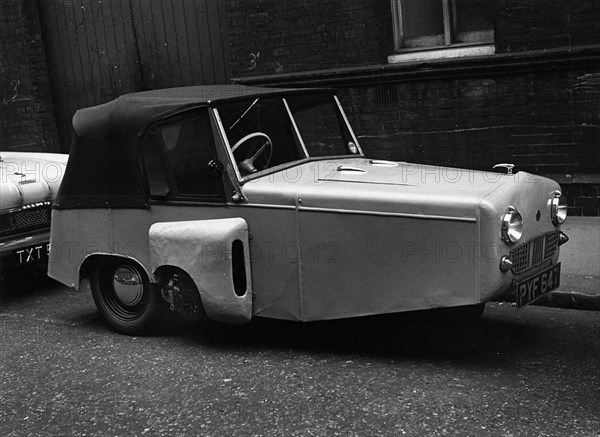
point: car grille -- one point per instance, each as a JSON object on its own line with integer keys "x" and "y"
{"x": 534, "y": 252}
{"x": 25, "y": 219}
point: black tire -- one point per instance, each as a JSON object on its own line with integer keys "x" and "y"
{"x": 124, "y": 296}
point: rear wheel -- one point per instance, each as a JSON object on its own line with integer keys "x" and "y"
{"x": 123, "y": 295}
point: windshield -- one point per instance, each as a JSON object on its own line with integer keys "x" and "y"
{"x": 270, "y": 132}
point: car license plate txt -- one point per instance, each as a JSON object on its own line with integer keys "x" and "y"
{"x": 32, "y": 254}
{"x": 532, "y": 288}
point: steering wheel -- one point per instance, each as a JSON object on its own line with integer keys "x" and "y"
{"x": 255, "y": 150}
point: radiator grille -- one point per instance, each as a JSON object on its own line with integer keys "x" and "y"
{"x": 26, "y": 219}
{"x": 533, "y": 253}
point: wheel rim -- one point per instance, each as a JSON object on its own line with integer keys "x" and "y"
{"x": 128, "y": 286}
{"x": 126, "y": 293}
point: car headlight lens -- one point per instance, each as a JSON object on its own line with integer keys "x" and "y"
{"x": 512, "y": 225}
{"x": 559, "y": 209}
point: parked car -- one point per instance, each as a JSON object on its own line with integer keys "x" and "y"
{"x": 232, "y": 202}
{"x": 29, "y": 183}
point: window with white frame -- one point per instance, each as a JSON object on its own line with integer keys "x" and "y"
{"x": 440, "y": 24}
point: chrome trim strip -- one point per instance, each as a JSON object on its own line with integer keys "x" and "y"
{"x": 342, "y": 168}
{"x": 261, "y": 205}
{"x": 289, "y": 111}
{"x": 389, "y": 214}
{"x": 361, "y": 212}
{"x": 348, "y": 181}
{"x": 26, "y": 207}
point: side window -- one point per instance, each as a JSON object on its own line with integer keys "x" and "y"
{"x": 154, "y": 166}
{"x": 187, "y": 148}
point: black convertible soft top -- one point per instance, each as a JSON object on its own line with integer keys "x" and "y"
{"x": 103, "y": 168}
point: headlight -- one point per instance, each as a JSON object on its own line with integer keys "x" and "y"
{"x": 558, "y": 210}
{"x": 512, "y": 225}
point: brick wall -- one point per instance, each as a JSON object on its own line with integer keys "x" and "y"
{"x": 545, "y": 118}
{"x": 269, "y": 36}
{"x": 27, "y": 121}
{"x": 273, "y": 36}
{"x": 542, "y": 122}
{"x": 545, "y": 24}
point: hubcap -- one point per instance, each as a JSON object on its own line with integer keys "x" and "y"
{"x": 128, "y": 285}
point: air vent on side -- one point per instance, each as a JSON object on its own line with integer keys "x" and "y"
{"x": 239, "y": 267}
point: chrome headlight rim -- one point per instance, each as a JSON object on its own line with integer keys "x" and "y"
{"x": 558, "y": 209}
{"x": 512, "y": 225}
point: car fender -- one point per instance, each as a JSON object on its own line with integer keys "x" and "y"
{"x": 215, "y": 253}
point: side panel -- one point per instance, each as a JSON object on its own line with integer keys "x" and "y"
{"x": 361, "y": 264}
{"x": 272, "y": 248}
{"x": 205, "y": 250}
{"x": 77, "y": 234}
{"x": 72, "y": 235}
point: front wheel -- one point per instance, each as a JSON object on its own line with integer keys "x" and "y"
{"x": 124, "y": 297}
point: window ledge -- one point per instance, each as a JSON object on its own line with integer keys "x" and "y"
{"x": 443, "y": 53}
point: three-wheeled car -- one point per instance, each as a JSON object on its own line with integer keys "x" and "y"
{"x": 232, "y": 202}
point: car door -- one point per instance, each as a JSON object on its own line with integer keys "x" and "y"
{"x": 180, "y": 161}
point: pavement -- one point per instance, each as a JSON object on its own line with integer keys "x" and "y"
{"x": 580, "y": 271}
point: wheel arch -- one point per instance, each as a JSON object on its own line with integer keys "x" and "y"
{"x": 90, "y": 259}
{"x": 166, "y": 271}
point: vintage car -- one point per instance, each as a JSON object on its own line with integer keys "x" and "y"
{"x": 233, "y": 202}
{"x": 29, "y": 184}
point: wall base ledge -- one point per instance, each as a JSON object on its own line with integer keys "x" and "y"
{"x": 451, "y": 68}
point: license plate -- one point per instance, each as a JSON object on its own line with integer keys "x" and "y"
{"x": 32, "y": 254}
{"x": 532, "y": 288}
